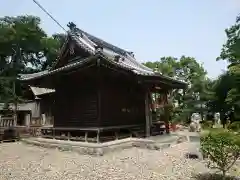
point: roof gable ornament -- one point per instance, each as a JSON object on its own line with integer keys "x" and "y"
{"x": 72, "y": 26}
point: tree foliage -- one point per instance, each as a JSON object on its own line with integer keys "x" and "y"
{"x": 22, "y": 40}
{"x": 231, "y": 53}
{"x": 186, "y": 69}
{"x": 219, "y": 95}
{"x": 24, "y": 48}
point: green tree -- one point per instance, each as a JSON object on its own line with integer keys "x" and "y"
{"x": 231, "y": 53}
{"x": 23, "y": 40}
{"x": 188, "y": 70}
{"x": 24, "y": 48}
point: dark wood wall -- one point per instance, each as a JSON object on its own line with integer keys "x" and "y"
{"x": 122, "y": 100}
{"x": 76, "y": 103}
{"x": 47, "y": 104}
{"x": 120, "y": 106}
{"x": 98, "y": 98}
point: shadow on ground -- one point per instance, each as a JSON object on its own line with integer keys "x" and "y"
{"x": 209, "y": 176}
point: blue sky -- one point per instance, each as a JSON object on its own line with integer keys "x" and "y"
{"x": 151, "y": 29}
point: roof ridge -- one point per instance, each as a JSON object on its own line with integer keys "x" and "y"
{"x": 101, "y": 41}
{"x": 124, "y": 53}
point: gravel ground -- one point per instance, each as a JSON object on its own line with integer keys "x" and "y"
{"x": 24, "y": 162}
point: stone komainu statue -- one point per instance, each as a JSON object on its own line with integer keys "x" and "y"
{"x": 195, "y": 125}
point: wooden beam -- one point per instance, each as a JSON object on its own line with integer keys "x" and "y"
{"x": 164, "y": 84}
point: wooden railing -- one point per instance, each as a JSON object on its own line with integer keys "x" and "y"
{"x": 29, "y": 131}
{"x": 7, "y": 121}
{"x": 8, "y": 129}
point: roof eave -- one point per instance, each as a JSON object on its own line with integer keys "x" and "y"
{"x": 77, "y": 64}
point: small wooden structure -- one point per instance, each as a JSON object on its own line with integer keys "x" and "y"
{"x": 8, "y": 130}
{"x": 41, "y": 103}
{"x": 100, "y": 90}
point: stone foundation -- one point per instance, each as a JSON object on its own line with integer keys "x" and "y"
{"x": 98, "y": 149}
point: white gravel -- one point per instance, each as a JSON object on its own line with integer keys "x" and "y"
{"x": 24, "y": 162}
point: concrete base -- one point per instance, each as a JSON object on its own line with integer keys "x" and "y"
{"x": 86, "y": 147}
{"x": 98, "y": 149}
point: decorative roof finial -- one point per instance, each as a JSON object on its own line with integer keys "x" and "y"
{"x": 72, "y": 26}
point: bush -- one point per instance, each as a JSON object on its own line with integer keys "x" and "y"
{"x": 222, "y": 148}
{"x": 235, "y": 126}
{"x": 207, "y": 124}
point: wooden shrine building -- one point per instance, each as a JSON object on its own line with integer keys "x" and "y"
{"x": 99, "y": 87}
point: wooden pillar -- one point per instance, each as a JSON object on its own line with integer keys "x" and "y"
{"x": 68, "y": 135}
{"x": 14, "y": 120}
{"x": 99, "y": 92}
{"x": 53, "y": 131}
{"x": 147, "y": 114}
{"x": 150, "y": 102}
{"x": 166, "y": 113}
{"x": 27, "y": 119}
{"x": 86, "y": 136}
{"x": 98, "y": 136}
{"x": 116, "y": 135}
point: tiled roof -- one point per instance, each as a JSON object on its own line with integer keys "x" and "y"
{"x": 33, "y": 75}
{"x": 49, "y": 72}
{"x": 91, "y": 44}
